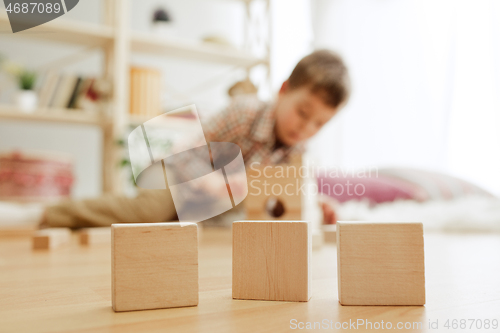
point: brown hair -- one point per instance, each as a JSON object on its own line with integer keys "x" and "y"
{"x": 326, "y": 75}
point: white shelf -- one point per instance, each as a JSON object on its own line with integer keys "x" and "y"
{"x": 89, "y": 34}
{"x": 70, "y": 116}
{"x": 202, "y": 51}
{"x": 64, "y": 31}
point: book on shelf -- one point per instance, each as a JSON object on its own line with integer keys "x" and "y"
{"x": 68, "y": 91}
{"x": 145, "y": 91}
{"x": 74, "y": 94}
{"x": 63, "y": 91}
{"x": 47, "y": 87}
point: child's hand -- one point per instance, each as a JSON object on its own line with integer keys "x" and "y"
{"x": 328, "y": 206}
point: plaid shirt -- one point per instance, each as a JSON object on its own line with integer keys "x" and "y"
{"x": 249, "y": 123}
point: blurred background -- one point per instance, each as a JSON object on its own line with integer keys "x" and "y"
{"x": 425, "y": 77}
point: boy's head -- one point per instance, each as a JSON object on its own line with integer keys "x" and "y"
{"x": 317, "y": 88}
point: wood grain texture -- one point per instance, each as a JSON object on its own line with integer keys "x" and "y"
{"x": 272, "y": 260}
{"x": 380, "y": 263}
{"x": 95, "y": 236}
{"x": 154, "y": 265}
{"x": 51, "y": 238}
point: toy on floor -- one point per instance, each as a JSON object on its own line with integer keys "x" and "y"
{"x": 284, "y": 192}
{"x": 272, "y": 196}
{"x": 154, "y": 265}
{"x": 95, "y": 236}
{"x": 380, "y": 263}
{"x": 272, "y": 260}
{"x": 51, "y": 238}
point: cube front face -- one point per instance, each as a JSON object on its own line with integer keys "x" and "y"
{"x": 257, "y": 205}
{"x": 380, "y": 263}
{"x": 271, "y": 260}
{"x": 154, "y": 265}
{"x": 41, "y": 242}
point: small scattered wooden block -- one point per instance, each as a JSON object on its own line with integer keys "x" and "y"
{"x": 154, "y": 265}
{"x": 272, "y": 260}
{"x": 51, "y": 238}
{"x": 380, "y": 263}
{"x": 94, "y": 236}
{"x": 329, "y": 233}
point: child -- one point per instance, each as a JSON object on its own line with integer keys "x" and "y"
{"x": 268, "y": 133}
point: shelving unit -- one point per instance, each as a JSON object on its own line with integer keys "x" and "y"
{"x": 200, "y": 51}
{"x": 135, "y": 120}
{"x": 53, "y": 115}
{"x": 65, "y": 31}
{"x": 117, "y": 42}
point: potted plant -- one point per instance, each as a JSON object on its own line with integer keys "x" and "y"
{"x": 26, "y": 98}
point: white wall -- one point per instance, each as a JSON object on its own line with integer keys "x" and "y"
{"x": 389, "y": 119}
{"x": 292, "y": 37}
{"x": 425, "y": 85}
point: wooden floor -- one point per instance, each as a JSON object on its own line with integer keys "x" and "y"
{"x": 68, "y": 290}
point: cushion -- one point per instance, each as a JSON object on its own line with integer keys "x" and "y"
{"x": 390, "y": 184}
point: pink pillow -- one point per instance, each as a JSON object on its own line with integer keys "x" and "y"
{"x": 396, "y": 184}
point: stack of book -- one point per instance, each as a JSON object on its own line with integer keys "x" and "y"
{"x": 145, "y": 92}
{"x": 68, "y": 91}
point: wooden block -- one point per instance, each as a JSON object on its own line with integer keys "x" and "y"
{"x": 272, "y": 260}
{"x": 274, "y": 192}
{"x": 154, "y": 265}
{"x": 51, "y": 238}
{"x": 380, "y": 263}
{"x": 329, "y": 233}
{"x": 94, "y": 236}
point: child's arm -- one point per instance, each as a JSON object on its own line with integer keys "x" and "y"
{"x": 148, "y": 206}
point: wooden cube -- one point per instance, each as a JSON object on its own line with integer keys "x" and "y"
{"x": 272, "y": 260}
{"x": 51, "y": 238}
{"x": 274, "y": 192}
{"x": 154, "y": 265}
{"x": 380, "y": 263}
{"x": 283, "y": 192}
{"x": 95, "y": 236}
